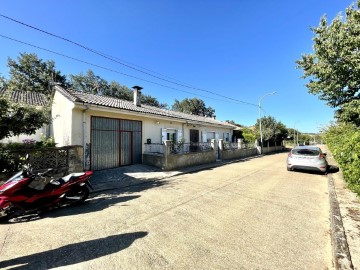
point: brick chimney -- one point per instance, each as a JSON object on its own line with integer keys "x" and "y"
{"x": 137, "y": 95}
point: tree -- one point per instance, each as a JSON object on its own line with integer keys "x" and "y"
{"x": 248, "y": 135}
{"x": 334, "y": 67}
{"x": 16, "y": 119}
{"x": 272, "y": 130}
{"x": 151, "y": 101}
{"x": 93, "y": 84}
{"x": 193, "y": 106}
{"x": 30, "y": 73}
{"x": 90, "y": 83}
{"x": 2, "y": 82}
{"x": 119, "y": 91}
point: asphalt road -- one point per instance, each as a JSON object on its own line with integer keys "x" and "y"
{"x": 246, "y": 215}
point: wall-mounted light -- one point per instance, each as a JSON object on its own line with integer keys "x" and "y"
{"x": 157, "y": 122}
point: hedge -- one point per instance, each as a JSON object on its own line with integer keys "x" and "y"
{"x": 343, "y": 141}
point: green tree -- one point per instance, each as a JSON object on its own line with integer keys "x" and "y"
{"x": 3, "y": 82}
{"x": 16, "y": 118}
{"x": 249, "y": 135}
{"x": 151, "y": 101}
{"x": 90, "y": 83}
{"x": 193, "y": 106}
{"x": 93, "y": 84}
{"x": 272, "y": 130}
{"x": 30, "y": 73}
{"x": 119, "y": 91}
{"x": 334, "y": 67}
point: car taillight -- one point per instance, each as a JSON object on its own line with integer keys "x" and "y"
{"x": 321, "y": 156}
{"x": 289, "y": 155}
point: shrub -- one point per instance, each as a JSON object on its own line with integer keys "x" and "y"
{"x": 12, "y": 155}
{"x": 344, "y": 143}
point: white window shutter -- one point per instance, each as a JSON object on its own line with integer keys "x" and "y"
{"x": 179, "y": 135}
{"x": 204, "y": 136}
{"x": 163, "y": 135}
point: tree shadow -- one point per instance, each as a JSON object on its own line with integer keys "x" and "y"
{"x": 74, "y": 253}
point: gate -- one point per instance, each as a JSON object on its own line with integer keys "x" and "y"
{"x": 115, "y": 142}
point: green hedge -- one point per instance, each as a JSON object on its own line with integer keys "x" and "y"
{"x": 12, "y": 155}
{"x": 343, "y": 141}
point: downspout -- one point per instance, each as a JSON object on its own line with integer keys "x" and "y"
{"x": 84, "y": 136}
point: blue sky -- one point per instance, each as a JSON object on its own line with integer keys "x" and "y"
{"x": 237, "y": 49}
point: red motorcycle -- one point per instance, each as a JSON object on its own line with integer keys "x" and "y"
{"x": 28, "y": 193}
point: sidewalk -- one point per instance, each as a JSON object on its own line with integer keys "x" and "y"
{"x": 138, "y": 174}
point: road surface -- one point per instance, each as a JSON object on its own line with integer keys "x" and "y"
{"x": 252, "y": 214}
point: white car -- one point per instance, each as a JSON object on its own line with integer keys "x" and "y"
{"x": 307, "y": 158}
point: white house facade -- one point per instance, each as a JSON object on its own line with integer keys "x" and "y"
{"x": 113, "y": 132}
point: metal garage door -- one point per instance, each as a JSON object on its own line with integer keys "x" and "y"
{"x": 115, "y": 142}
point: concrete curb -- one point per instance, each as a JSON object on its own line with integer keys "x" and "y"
{"x": 342, "y": 257}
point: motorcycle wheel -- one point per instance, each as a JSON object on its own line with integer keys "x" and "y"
{"x": 7, "y": 214}
{"x": 78, "y": 195}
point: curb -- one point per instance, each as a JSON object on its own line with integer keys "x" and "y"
{"x": 342, "y": 257}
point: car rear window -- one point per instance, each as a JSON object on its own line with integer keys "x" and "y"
{"x": 305, "y": 152}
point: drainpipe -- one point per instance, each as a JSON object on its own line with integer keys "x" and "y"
{"x": 84, "y": 136}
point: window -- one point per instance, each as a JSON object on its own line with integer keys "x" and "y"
{"x": 194, "y": 135}
{"x": 171, "y": 134}
{"x": 210, "y": 136}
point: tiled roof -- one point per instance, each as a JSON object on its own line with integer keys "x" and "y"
{"x": 115, "y": 103}
{"x": 26, "y": 97}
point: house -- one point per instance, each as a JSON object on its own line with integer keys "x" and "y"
{"x": 113, "y": 132}
{"x": 27, "y": 98}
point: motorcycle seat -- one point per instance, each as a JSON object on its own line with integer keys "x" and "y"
{"x": 71, "y": 176}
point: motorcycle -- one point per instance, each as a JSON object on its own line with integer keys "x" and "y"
{"x": 28, "y": 193}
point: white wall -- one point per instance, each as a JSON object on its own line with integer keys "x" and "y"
{"x": 151, "y": 127}
{"x": 20, "y": 138}
{"x": 61, "y": 113}
{"x": 68, "y": 123}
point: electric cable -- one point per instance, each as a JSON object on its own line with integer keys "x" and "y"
{"x": 121, "y": 63}
{"x": 116, "y": 71}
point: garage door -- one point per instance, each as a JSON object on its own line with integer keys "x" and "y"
{"x": 115, "y": 142}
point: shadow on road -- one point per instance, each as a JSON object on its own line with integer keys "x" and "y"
{"x": 74, "y": 253}
{"x": 331, "y": 169}
{"x": 98, "y": 202}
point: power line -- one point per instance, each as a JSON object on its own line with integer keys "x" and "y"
{"x": 111, "y": 58}
{"x": 115, "y": 71}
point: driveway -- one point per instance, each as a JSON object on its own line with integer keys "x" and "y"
{"x": 244, "y": 215}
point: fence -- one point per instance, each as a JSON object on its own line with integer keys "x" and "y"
{"x": 155, "y": 148}
{"x": 177, "y": 148}
{"x": 170, "y": 156}
{"x": 68, "y": 159}
{"x": 190, "y": 147}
